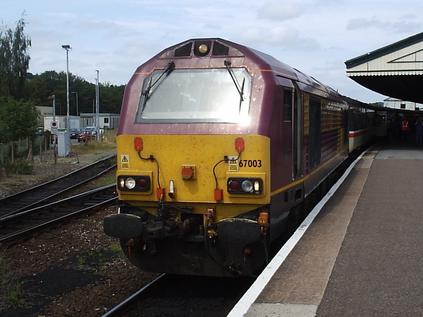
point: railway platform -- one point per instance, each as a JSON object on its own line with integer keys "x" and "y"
{"x": 363, "y": 254}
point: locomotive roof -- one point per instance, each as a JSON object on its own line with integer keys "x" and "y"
{"x": 267, "y": 61}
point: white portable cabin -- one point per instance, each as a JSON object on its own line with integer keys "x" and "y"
{"x": 106, "y": 120}
{"x": 74, "y": 122}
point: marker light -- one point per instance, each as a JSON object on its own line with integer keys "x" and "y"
{"x": 234, "y": 185}
{"x": 138, "y": 144}
{"x": 130, "y": 183}
{"x": 256, "y": 186}
{"x": 122, "y": 183}
{"x": 142, "y": 183}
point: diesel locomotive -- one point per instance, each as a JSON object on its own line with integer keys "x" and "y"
{"x": 218, "y": 146}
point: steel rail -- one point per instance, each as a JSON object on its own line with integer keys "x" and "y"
{"x": 44, "y": 192}
{"x": 133, "y": 297}
{"x": 26, "y": 222}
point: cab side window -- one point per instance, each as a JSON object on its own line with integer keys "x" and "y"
{"x": 287, "y": 105}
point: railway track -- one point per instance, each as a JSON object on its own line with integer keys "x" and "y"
{"x": 170, "y": 295}
{"x": 178, "y": 295}
{"x": 43, "y": 193}
{"x": 125, "y": 305}
{"x": 26, "y": 222}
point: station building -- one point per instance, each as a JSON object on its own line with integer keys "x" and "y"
{"x": 394, "y": 103}
{"x": 395, "y": 70}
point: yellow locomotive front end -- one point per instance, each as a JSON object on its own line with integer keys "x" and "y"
{"x": 194, "y": 204}
{"x": 193, "y": 175}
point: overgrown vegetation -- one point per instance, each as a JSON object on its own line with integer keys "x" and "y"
{"x": 14, "y": 61}
{"x": 18, "y": 117}
{"x": 95, "y": 260}
{"x": 20, "y": 167}
{"x": 10, "y": 287}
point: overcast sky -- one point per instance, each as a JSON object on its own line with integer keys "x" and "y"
{"x": 315, "y": 36}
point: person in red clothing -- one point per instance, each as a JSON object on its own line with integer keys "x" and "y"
{"x": 405, "y": 129}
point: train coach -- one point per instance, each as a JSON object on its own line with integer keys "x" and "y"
{"x": 218, "y": 146}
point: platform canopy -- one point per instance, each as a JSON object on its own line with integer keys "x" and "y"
{"x": 395, "y": 70}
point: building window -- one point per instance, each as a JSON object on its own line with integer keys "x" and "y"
{"x": 106, "y": 120}
{"x": 403, "y": 106}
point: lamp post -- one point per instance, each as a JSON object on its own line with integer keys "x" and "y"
{"x": 67, "y": 48}
{"x": 97, "y": 105}
{"x": 53, "y": 98}
{"x": 53, "y": 127}
{"x": 76, "y": 93}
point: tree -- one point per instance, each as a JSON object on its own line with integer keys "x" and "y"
{"x": 14, "y": 61}
{"x": 18, "y": 120}
{"x": 111, "y": 97}
{"x": 40, "y": 86}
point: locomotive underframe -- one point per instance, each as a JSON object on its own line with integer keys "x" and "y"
{"x": 176, "y": 238}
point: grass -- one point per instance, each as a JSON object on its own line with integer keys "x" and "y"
{"x": 115, "y": 248}
{"x": 108, "y": 142}
{"x": 21, "y": 167}
{"x": 96, "y": 260}
{"x": 93, "y": 147}
{"x": 107, "y": 179}
{"x": 10, "y": 287}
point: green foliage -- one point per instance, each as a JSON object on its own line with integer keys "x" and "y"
{"x": 40, "y": 86}
{"x": 14, "y": 61}
{"x": 115, "y": 248}
{"x": 18, "y": 120}
{"x": 20, "y": 167}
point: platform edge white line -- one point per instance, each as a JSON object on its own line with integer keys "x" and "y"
{"x": 244, "y": 304}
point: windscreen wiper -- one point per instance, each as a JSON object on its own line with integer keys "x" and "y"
{"x": 239, "y": 89}
{"x": 147, "y": 92}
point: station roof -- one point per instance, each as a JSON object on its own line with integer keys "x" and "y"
{"x": 395, "y": 70}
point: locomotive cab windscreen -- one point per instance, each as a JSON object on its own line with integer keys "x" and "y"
{"x": 195, "y": 95}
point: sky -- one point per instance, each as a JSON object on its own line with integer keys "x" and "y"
{"x": 115, "y": 37}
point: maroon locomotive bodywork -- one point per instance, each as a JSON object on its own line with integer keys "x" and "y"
{"x": 300, "y": 119}
{"x": 268, "y": 76}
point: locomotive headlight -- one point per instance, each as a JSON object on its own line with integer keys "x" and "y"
{"x": 134, "y": 183}
{"x": 203, "y": 49}
{"x": 247, "y": 186}
{"x": 130, "y": 183}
